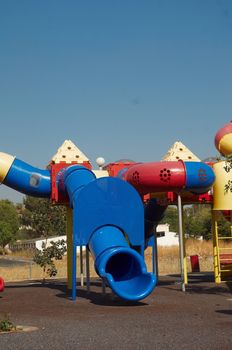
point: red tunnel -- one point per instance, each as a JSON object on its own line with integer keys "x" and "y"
{"x": 157, "y": 176}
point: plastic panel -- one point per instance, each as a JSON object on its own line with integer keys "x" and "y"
{"x": 108, "y": 201}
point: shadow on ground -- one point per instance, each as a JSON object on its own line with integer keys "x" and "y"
{"x": 95, "y": 295}
{"x": 198, "y": 283}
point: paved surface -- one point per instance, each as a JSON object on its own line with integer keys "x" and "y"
{"x": 201, "y": 318}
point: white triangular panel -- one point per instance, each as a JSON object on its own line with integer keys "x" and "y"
{"x": 179, "y": 151}
{"x": 68, "y": 152}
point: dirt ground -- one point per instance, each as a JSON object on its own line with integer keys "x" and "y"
{"x": 200, "y": 318}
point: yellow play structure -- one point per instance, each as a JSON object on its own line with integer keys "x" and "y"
{"x": 222, "y": 202}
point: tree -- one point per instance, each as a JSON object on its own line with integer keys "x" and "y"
{"x": 9, "y": 222}
{"x": 6, "y": 235}
{"x": 223, "y": 226}
{"x": 45, "y": 257}
{"x": 41, "y": 218}
{"x": 171, "y": 218}
{"x": 198, "y": 221}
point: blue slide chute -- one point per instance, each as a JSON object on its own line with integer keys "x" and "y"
{"x": 122, "y": 267}
{"x": 108, "y": 218}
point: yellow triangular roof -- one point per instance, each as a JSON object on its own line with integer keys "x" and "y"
{"x": 68, "y": 152}
{"x": 179, "y": 151}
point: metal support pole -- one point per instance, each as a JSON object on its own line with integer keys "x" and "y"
{"x": 74, "y": 272}
{"x": 155, "y": 269}
{"x": 30, "y": 270}
{"x": 69, "y": 226}
{"x": 155, "y": 248}
{"x": 87, "y": 271}
{"x": 185, "y": 257}
{"x": 181, "y": 243}
{"x": 81, "y": 266}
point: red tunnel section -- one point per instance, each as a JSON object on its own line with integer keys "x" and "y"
{"x": 157, "y": 176}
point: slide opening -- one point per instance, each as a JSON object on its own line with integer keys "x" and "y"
{"x": 123, "y": 266}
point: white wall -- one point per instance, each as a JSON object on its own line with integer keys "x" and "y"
{"x": 169, "y": 239}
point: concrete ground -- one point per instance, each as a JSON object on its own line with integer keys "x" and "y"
{"x": 200, "y": 318}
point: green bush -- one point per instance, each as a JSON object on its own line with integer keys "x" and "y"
{"x": 6, "y": 325}
{"x": 45, "y": 257}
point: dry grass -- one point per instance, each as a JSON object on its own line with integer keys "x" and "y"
{"x": 24, "y": 254}
{"x": 168, "y": 260}
{"x": 32, "y": 271}
{"x": 168, "y": 257}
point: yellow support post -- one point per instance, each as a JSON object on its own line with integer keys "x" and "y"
{"x": 217, "y": 274}
{"x": 231, "y": 223}
{"x": 69, "y": 229}
{"x": 185, "y": 263}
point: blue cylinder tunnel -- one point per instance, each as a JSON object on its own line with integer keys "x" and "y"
{"x": 73, "y": 178}
{"x": 199, "y": 177}
{"x": 29, "y": 180}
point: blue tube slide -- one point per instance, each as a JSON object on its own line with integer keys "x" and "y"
{"x": 122, "y": 267}
{"x": 29, "y": 180}
{"x": 108, "y": 204}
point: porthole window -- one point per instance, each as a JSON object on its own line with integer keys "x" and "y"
{"x": 35, "y": 180}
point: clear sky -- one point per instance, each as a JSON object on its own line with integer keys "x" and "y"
{"x": 120, "y": 78}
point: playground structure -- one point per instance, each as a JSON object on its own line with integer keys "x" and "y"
{"x": 106, "y": 213}
{"x": 222, "y": 203}
{"x": 176, "y": 192}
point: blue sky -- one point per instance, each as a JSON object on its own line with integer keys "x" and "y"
{"x": 121, "y": 79}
